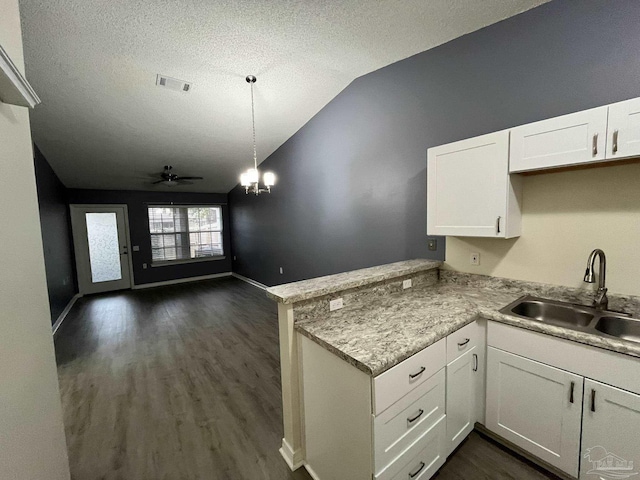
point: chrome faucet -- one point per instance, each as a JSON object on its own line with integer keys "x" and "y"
{"x": 601, "y": 302}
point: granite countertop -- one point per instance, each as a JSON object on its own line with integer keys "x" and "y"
{"x": 382, "y": 333}
{"x": 318, "y": 287}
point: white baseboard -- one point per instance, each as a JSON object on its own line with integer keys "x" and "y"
{"x": 248, "y": 280}
{"x": 293, "y": 459}
{"x": 310, "y": 471}
{"x": 181, "y": 280}
{"x": 64, "y": 313}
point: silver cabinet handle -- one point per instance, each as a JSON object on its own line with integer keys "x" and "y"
{"x": 475, "y": 362}
{"x": 615, "y": 141}
{"x": 593, "y": 400}
{"x": 573, "y": 384}
{"x": 415, "y": 417}
{"x": 416, "y": 472}
{"x": 418, "y": 373}
{"x": 498, "y": 225}
{"x": 595, "y": 144}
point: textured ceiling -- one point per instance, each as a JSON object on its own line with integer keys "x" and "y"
{"x": 104, "y": 124}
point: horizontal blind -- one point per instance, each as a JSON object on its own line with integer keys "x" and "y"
{"x": 185, "y": 232}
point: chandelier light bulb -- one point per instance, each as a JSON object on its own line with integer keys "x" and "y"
{"x": 269, "y": 179}
{"x": 244, "y": 179}
{"x": 253, "y": 175}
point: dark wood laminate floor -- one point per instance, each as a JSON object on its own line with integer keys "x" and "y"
{"x": 183, "y": 382}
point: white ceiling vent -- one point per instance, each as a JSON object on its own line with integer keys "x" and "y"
{"x": 173, "y": 83}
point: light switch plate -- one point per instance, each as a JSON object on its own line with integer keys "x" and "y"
{"x": 406, "y": 284}
{"x": 136, "y": 248}
{"x": 432, "y": 244}
{"x": 475, "y": 259}
{"x": 335, "y": 304}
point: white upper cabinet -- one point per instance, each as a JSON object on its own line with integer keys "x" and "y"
{"x": 469, "y": 191}
{"x": 623, "y": 136}
{"x": 573, "y": 139}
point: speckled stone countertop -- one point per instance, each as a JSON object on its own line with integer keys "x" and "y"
{"x": 381, "y": 333}
{"x": 318, "y": 287}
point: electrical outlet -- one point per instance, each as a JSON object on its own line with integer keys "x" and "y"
{"x": 136, "y": 248}
{"x": 335, "y": 304}
{"x": 281, "y": 271}
{"x": 144, "y": 265}
{"x": 406, "y": 284}
{"x": 432, "y": 244}
{"x": 475, "y": 258}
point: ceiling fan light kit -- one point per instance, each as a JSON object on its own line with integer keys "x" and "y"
{"x": 250, "y": 179}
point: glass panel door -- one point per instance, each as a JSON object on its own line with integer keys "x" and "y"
{"x": 104, "y": 247}
{"x": 100, "y": 238}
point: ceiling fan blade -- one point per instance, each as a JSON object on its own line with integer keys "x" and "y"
{"x": 182, "y": 182}
{"x": 159, "y": 181}
{"x": 190, "y": 178}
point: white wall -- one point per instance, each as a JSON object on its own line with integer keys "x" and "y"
{"x": 32, "y": 443}
{"x": 565, "y": 216}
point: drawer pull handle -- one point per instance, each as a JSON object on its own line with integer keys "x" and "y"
{"x": 413, "y": 419}
{"x": 418, "y": 373}
{"x": 573, "y": 384}
{"x": 475, "y": 362}
{"x": 462, "y": 344}
{"x": 415, "y": 474}
{"x": 593, "y": 400}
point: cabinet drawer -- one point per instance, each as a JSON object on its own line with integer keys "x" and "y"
{"x": 462, "y": 341}
{"x": 392, "y": 385}
{"x": 422, "y": 459}
{"x": 406, "y": 420}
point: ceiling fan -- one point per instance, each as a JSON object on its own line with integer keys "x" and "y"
{"x": 171, "y": 179}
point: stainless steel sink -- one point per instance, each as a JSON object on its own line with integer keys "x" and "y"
{"x": 625, "y": 328}
{"x": 553, "y": 312}
{"x": 576, "y": 317}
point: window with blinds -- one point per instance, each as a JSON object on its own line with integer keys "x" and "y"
{"x": 185, "y": 232}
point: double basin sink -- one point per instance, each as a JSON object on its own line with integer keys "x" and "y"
{"x": 576, "y": 317}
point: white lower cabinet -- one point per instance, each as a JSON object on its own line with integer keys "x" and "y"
{"x": 461, "y": 398}
{"x": 610, "y": 432}
{"x": 535, "y": 406}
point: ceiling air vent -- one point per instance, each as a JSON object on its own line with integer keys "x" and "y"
{"x": 173, "y": 83}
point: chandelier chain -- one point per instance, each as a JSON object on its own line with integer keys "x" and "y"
{"x": 253, "y": 122}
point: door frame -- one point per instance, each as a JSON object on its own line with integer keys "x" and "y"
{"x": 80, "y": 260}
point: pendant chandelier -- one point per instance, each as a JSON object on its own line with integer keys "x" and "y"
{"x": 250, "y": 179}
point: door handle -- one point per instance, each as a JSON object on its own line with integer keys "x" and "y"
{"x": 475, "y": 362}
{"x": 615, "y": 141}
{"x": 498, "y": 225}
{"x": 595, "y": 144}
{"x": 573, "y": 384}
{"x": 593, "y": 400}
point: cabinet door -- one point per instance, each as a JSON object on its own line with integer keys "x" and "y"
{"x": 536, "y": 407}
{"x": 468, "y": 187}
{"x": 610, "y": 432}
{"x": 461, "y": 393}
{"x": 568, "y": 140}
{"x": 624, "y": 129}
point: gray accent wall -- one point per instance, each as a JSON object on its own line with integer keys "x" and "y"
{"x": 137, "y": 203}
{"x": 351, "y": 189}
{"x": 57, "y": 242}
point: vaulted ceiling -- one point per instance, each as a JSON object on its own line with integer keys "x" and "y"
{"x": 105, "y": 124}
